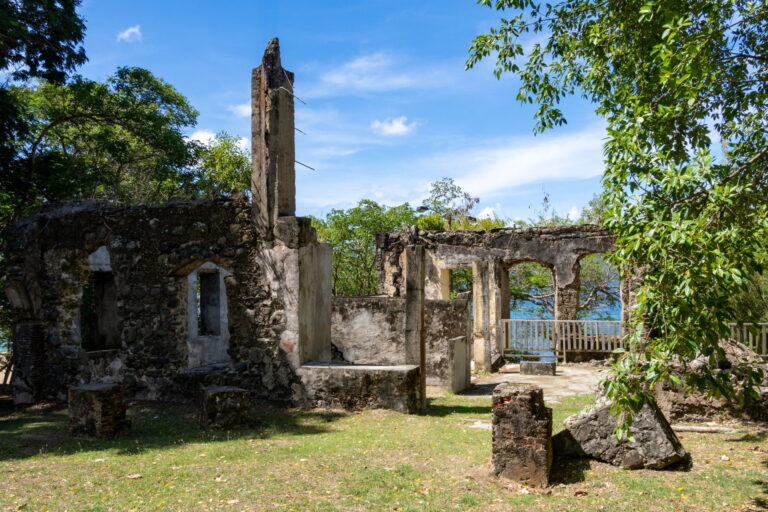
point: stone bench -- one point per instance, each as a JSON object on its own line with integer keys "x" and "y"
{"x": 225, "y": 407}
{"x": 356, "y": 387}
{"x": 538, "y": 368}
{"x": 522, "y": 434}
{"x": 97, "y": 410}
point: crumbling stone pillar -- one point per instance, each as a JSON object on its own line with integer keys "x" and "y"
{"x": 499, "y": 309}
{"x": 481, "y": 349}
{"x": 415, "y": 343}
{"x": 490, "y": 296}
{"x": 226, "y": 407}
{"x": 273, "y": 181}
{"x": 567, "y": 285}
{"x": 28, "y": 361}
{"x": 522, "y": 434}
{"x": 97, "y": 410}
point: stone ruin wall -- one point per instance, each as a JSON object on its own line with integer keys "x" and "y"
{"x": 152, "y": 250}
{"x": 559, "y": 248}
{"x": 490, "y": 254}
{"x": 371, "y": 330}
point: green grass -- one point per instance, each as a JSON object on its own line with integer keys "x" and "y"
{"x": 325, "y": 461}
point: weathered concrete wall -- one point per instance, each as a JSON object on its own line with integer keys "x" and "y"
{"x": 355, "y": 387}
{"x": 273, "y": 181}
{"x": 490, "y": 254}
{"x": 152, "y": 249}
{"x": 447, "y": 343}
{"x": 558, "y": 247}
{"x": 371, "y": 330}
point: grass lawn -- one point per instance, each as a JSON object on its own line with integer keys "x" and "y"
{"x": 324, "y": 461}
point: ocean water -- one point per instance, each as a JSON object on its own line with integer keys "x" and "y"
{"x": 530, "y": 312}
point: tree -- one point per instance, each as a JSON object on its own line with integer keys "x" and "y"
{"x": 352, "y": 233}
{"x": 122, "y": 139}
{"x": 118, "y": 140}
{"x": 38, "y": 39}
{"x": 223, "y": 167}
{"x": 449, "y": 201}
{"x": 682, "y": 87}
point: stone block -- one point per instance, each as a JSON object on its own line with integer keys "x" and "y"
{"x": 226, "y": 407}
{"x": 522, "y": 434}
{"x": 356, "y": 387}
{"x": 590, "y": 433}
{"x": 538, "y": 368}
{"x": 97, "y": 410}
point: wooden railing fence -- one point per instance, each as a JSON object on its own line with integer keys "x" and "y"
{"x": 550, "y": 338}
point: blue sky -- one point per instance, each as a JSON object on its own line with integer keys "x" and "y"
{"x": 389, "y": 105}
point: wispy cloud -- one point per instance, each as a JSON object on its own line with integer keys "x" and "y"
{"x": 130, "y": 35}
{"x": 375, "y": 73}
{"x": 497, "y": 166}
{"x": 393, "y": 127}
{"x": 498, "y": 171}
{"x": 241, "y": 110}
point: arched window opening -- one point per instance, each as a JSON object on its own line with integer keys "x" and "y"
{"x": 99, "y": 322}
{"x": 531, "y": 292}
{"x": 599, "y": 297}
{"x": 207, "y": 320}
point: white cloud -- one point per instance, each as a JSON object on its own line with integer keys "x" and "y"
{"x": 497, "y": 166}
{"x": 393, "y": 127}
{"x": 487, "y": 213}
{"x": 574, "y": 213}
{"x": 241, "y": 110}
{"x": 130, "y": 35}
{"x": 204, "y": 136}
{"x": 504, "y": 172}
{"x": 377, "y": 72}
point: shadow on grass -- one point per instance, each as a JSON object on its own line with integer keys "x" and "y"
{"x": 760, "y": 502}
{"x": 439, "y": 410}
{"x": 750, "y": 437}
{"x": 569, "y": 470}
{"x": 35, "y": 430}
{"x": 479, "y": 390}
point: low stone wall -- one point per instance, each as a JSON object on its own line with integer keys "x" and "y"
{"x": 371, "y": 330}
{"x": 448, "y": 349}
{"x": 357, "y": 387}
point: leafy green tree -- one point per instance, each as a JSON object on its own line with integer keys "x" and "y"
{"x": 352, "y": 233}
{"x": 122, "y": 139}
{"x": 683, "y": 91}
{"x": 38, "y": 40}
{"x": 449, "y": 201}
{"x": 223, "y": 167}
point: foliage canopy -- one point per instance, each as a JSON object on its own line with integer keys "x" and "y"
{"x": 682, "y": 86}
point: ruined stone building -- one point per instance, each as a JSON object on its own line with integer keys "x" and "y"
{"x": 490, "y": 255}
{"x": 167, "y": 298}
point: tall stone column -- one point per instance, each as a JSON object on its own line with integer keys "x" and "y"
{"x": 415, "y": 342}
{"x": 481, "y": 346}
{"x": 499, "y": 308}
{"x": 490, "y": 296}
{"x": 273, "y": 178}
{"x": 567, "y": 285}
